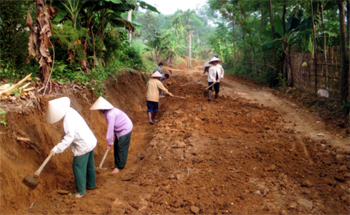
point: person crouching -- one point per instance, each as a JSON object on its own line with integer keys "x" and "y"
{"x": 120, "y": 126}
{"x": 81, "y": 139}
{"x": 153, "y": 87}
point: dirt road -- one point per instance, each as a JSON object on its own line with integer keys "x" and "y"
{"x": 248, "y": 153}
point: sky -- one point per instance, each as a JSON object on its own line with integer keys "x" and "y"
{"x": 170, "y": 6}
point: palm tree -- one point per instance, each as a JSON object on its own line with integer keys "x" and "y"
{"x": 188, "y": 15}
{"x": 176, "y": 23}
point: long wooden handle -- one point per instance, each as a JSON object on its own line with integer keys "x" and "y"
{"x": 212, "y": 84}
{"x": 179, "y": 97}
{"x": 37, "y": 173}
{"x": 104, "y": 158}
{"x": 189, "y": 83}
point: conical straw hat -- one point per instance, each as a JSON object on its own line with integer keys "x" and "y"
{"x": 57, "y": 109}
{"x": 214, "y": 59}
{"x": 157, "y": 75}
{"x": 207, "y": 64}
{"x": 101, "y": 104}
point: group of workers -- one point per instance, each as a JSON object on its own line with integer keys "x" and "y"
{"x": 79, "y": 136}
{"x": 215, "y": 74}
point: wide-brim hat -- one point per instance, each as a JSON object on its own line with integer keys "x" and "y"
{"x": 157, "y": 75}
{"x": 214, "y": 59}
{"x": 57, "y": 109}
{"x": 101, "y": 104}
{"x": 207, "y": 64}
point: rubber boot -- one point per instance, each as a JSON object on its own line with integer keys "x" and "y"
{"x": 154, "y": 117}
{"x": 150, "y": 118}
{"x": 209, "y": 95}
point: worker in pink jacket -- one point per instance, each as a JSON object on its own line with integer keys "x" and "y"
{"x": 120, "y": 127}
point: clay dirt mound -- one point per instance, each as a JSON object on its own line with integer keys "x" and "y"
{"x": 19, "y": 158}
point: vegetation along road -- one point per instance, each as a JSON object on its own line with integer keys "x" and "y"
{"x": 275, "y": 141}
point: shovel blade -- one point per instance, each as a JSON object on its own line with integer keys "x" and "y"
{"x": 31, "y": 181}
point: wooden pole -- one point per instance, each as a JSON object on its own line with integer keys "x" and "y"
{"x": 129, "y": 31}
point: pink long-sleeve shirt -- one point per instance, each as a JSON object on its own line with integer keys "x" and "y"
{"x": 119, "y": 124}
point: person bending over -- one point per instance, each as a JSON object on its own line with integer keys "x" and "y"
{"x": 81, "y": 140}
{"x": 153, "y": 87}
{"x": 120, "y": 127}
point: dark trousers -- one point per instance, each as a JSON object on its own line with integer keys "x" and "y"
{"x": 121, "y": 148}
{"x": 84, "y": 172}
{"x": 216, "y": 87}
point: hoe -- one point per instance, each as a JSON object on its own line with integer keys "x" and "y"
{"x": 32, "y": 180}
{"x": 103, "y": 160}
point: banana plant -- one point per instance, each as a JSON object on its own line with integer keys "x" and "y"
{"x": 68, "y": 7}
{"x": 159, "y": 43}
{"x": 173, "y": 50}
{"x": 297, "y": 32}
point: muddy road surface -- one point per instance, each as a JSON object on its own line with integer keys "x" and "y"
{"x": 249, "y": 152}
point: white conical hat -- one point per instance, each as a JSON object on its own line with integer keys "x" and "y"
{"x": 214, "y": 59}
{"x": 101, "y": 104}
{"x": 207, "y": 64}
{"x": 57, "y": 109}
{"x": 157, "y": 75}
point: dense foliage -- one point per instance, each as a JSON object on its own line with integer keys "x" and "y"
{"x": 89, "y": 39}
{"x": 254, "y": 38}
{"x": 167, "y": 36}
{"x": 265, "y": 32}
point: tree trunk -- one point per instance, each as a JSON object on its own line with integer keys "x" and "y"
{"x": 284, "y": 56}
{"x": 40, "y": 39}
{"x": 348, "y": 27}
{"x": 284, "y": 18}
{"x": 272, "y": 31}
{"x": 233, "y": 30}
{"x": 156, "y": 56}
{"x": 344, "y": 71}
{"x": 262, "y": 21}
{"x": 45, "y": 60}
{"x": 315, "y": 45}
{"x": 289, "y": 67}
{"x": 348, "y": 52}
{"x": 243, "y": 34}
{"x": 233, "y": 38}
{"x": 324, "y": 50}
{"x": 94, "y": 46}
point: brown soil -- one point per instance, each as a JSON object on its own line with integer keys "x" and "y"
{"x": 248, "y": 153}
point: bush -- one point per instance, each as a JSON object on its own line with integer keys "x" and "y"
{"x": 67, "y": 39}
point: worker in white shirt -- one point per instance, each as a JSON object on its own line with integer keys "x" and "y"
{"x": 81, "y": 139}
{"x": 219, "y": 65}
{"x": 216, "y": 73}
